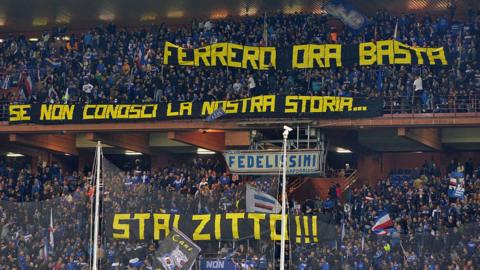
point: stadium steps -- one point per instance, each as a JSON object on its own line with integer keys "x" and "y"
{"x": 301, "y": 188}
{"x": 350, "y": 181}
{"x": 295, "y": 184}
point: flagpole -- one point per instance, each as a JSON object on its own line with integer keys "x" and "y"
{"x": 97, "y": 209}
{"x": 403, "y": 250}
{"x": 287, "y": 130}
{"x": 52, "y": 241}
{"x": 265, "y": 29}
{"x": 395, "y": 32}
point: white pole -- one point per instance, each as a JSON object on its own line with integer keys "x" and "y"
{"x": 97, "y": 209}
{"x": 286, "y": 130}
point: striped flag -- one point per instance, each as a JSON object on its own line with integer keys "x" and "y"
{"x": 388, "y": 231}
{"x": 261, "y": 202}
{"x": 28, "y": 85}
{"x": 6, "y": 82}
{"x": 51, "y": 230}
{"x": 383, "y": 224}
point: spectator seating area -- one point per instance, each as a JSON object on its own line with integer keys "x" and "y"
{"x": 104, "y": 64}
{"x": 432, "y": 229}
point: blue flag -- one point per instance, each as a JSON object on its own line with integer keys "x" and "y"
{"x": 342, "y": 10}
{"x": 456, "y": 187}
{"x": 215, "y": 115}
{"x": 328, "y": 204}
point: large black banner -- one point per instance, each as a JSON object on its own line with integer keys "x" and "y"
{"x": 271, "y": 106}
{"x": 177, "y": 251}
{"x": 224, "y": 227}
{"x": 384, "y": 52}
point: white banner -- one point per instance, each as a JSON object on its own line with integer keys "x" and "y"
{"x": 270, "y": 162}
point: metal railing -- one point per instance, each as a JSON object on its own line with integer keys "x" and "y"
{"x": 451, "y": 104}
{"x": 349, "y": 175}
{"x": 350, "y": 180}
{"x": 338, "y": 173}
{"x": 295, "y": 184}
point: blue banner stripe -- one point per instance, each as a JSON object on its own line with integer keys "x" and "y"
{"x": 265, "y": 199}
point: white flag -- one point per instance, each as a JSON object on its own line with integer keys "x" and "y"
{"x": 51, "y": 230}
{"x": 396, "y": 29}
{"x": 363, "y": 241}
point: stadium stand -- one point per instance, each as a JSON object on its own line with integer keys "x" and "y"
{"x": 431, "y": 228}
{"x": 104, "y": 64}
{"x": 434, "y": 231}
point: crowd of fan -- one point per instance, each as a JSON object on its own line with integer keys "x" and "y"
{"x": 28, "y": 197}
{"x": 433, "y": 231}
{"x": 104, "y": 64}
